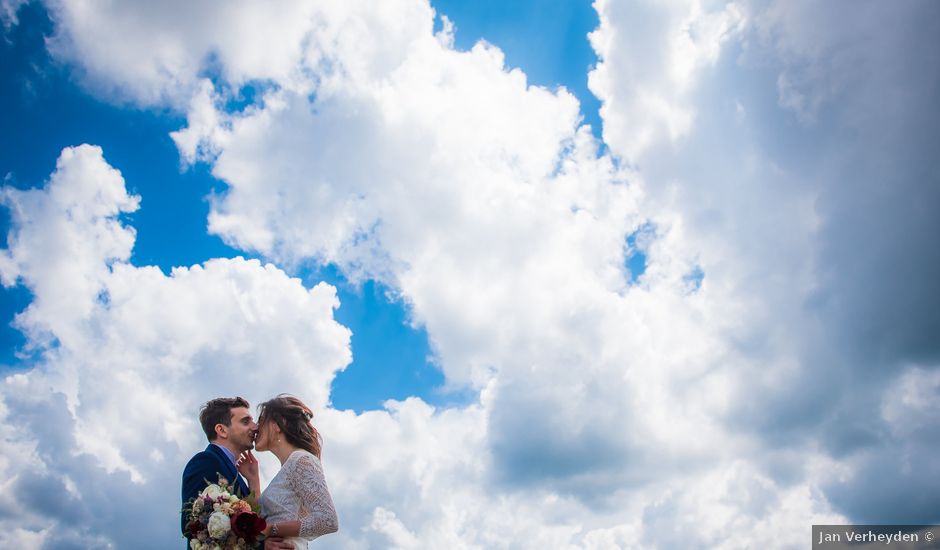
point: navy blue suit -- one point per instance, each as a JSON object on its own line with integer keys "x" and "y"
{"x": 207, "y": 466}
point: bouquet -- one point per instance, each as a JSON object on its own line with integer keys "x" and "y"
{"x": 220, "y": 520}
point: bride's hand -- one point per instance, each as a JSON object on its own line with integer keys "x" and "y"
{"x": 247, "y": 466}
{"x": 277, "y": 543}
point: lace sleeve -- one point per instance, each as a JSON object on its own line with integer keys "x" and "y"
{"x": 307, "y": 480}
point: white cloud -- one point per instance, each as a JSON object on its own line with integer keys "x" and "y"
{"x": 609, "y": 414}
{"x": 166, "y": 48}
{"x": 790, "y": 215}
{"x": 72, "y": 223}
{"x": 649, "y": 70}
{"x": 8, "y": 12}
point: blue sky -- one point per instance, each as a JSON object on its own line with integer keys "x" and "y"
{"x": 566, "y": 274}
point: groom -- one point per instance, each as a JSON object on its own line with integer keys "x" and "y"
{"x": 231, "y": 430}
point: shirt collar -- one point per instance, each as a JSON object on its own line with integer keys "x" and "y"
{"x": 228, "y": 453}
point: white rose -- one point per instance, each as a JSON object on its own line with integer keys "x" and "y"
{"x": 219, "y": 525}
{"x": 213, "y": 491}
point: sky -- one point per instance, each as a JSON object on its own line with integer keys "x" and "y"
{"x": 621, "y": 274}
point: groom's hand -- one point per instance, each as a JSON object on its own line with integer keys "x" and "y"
{"x": 277, "y": 543}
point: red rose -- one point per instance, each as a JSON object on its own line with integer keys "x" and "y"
{"x": 248, "y": 525}
{"x": 193, "y": 528}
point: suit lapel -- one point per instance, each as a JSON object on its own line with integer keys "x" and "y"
{"x": 231, "y": 473}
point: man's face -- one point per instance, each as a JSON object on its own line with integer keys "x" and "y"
{"x": 241, "y": 432}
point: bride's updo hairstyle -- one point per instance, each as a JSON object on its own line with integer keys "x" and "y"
{"x": 293, "y": 417}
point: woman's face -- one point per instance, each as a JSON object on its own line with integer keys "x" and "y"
{"x": 262, "y": 442}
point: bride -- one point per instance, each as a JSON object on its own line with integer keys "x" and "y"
{"x": 296, "y": 504}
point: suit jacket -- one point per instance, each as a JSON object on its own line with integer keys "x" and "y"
{"x": 208, "y": 465}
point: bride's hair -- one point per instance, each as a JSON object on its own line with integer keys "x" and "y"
{"x": 293, "y": 417}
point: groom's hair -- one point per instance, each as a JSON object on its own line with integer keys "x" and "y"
{"x": 218, "y": 411}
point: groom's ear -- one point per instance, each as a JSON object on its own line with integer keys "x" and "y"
{"x": 221, "y": 431}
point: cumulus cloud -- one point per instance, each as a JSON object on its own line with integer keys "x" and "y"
{"x": 169, "y": 47}
{"x": 649, "y": 73}
{"x": 807, "y": 216}
{"x": 773, "y": 356}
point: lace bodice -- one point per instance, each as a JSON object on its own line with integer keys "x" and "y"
{"x": 299, "y": 492}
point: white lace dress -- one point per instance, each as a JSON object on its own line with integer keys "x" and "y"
{"x": 299, "y": 492}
